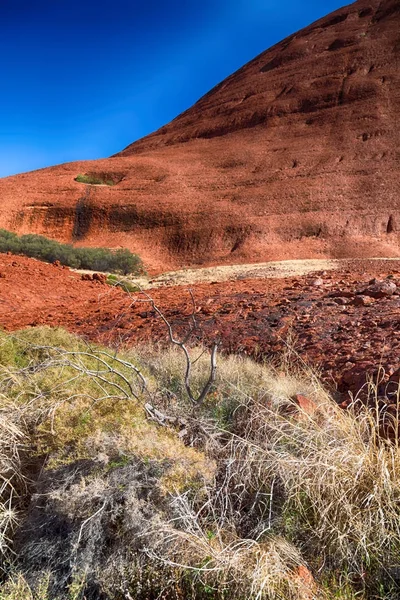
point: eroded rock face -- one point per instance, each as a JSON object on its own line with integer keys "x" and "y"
{"x": 341, "y": 62}
{"x": 295, "y": 155}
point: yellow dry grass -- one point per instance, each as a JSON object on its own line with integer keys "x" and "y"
{"x": 259, "y": 490}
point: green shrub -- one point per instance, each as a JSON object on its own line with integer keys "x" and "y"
{"x": 94, "y": 259}
{"x": 94, "y": 180}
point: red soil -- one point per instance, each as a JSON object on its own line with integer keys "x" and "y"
{"x": 295, "y": 155}
{"x": 324, "y": 318}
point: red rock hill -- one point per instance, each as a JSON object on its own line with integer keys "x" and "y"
{"x": 295, "y": 155}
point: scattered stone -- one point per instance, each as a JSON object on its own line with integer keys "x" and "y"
{"x": 342, "y": 294}
{"x": 100, "y": 277}
{"x": 317, "y": 282}
{"x": 341, "y": 301}
{"x": 307, "y": 582}
{"x": 305, "y": 404}
{"x": 362, "y": 301}
{"x": 380, "y": 289}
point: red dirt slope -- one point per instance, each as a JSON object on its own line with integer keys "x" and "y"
{"x": 295, "y": 155}
{"x": 338, "y": 321}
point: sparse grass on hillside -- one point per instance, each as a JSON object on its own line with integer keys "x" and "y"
{"x": 94, "y": 259}
{"x": 236, "y": 498}
{"x": 94, "y": 180}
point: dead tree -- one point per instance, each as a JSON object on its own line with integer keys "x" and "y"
{"x": 182, "y": 345}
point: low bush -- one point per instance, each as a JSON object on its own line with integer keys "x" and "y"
{"x": 93, "y": 180}
{"x": 95, "y": 259}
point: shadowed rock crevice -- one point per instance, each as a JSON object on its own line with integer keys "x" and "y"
{"x": 366, "y": 12}
{"x": 386, "y": 9}
{"x": 335, "y": 20}
{"x": 82, "y": 218}
{"x": 391, "y": 225}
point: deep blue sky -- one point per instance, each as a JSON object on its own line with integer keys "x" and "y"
{"x": 83, "y": 79}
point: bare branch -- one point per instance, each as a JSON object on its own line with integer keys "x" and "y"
{"x": 182, "y": 345}
{"x": 213, "y": 372}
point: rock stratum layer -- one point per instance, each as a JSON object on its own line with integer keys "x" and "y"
{"x": 295, "y": 155}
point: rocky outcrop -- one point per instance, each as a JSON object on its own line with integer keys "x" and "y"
{"x": 295, "y": 155}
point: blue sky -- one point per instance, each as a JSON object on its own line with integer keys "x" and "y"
{"x": 82, "y": 80}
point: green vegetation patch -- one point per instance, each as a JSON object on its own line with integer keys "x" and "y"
{"x": 121, "y": 261}
{"x": 93, "y": 180}
{"x": 126, "y": 285}
{"x": 100, "y": 178}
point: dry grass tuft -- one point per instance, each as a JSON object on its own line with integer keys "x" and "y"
{"x": 12, "y": 482}
{"x": 331, "y": 481}
{"x": 219, "y": 560}
{"x": 243, "y": 496}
